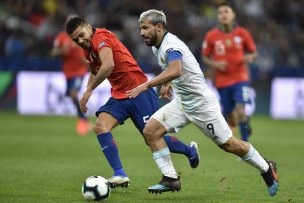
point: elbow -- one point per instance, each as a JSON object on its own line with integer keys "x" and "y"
{"x": 176, "y": 74}
{"x": 110, "y": 66}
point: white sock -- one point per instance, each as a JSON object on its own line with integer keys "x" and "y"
{"x": 254, "y": 159}
{"x": 163, "y": 160}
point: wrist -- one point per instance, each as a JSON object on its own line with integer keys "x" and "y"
{"x": 147, "y": 84}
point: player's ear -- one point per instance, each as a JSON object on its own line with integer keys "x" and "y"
{"x": 89, "y": 26}
{"x": 158, "y": 27}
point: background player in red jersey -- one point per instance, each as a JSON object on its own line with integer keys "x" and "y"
{"x": 74, "y": 69}
{"x": 110, "y": 59}
{"x": 228, "y": 49}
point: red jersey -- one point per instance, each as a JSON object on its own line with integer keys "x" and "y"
{"x": 229, "y": 47}
{"x": 126, "y": 73}
{"x": 73, "y": 60}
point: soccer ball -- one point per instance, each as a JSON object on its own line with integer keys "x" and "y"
{"x": 95, "y": 188}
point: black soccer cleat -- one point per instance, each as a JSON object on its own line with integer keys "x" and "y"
{"x": 271, "y": 179}
{"x": 166, "y": 184}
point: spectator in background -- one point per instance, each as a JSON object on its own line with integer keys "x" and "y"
{"x": 74, "y": 69}
{"x": 228, "y": 49}
{"x": 278, "y": 35}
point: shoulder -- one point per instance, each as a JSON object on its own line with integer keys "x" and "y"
{"x": 62, "y": 35}
{"x": 242, "y": 30}
{"x": 102, "y": 37}
{"x": 171, "y": 42}
{"x": 102, "y": 33}
{"x": 62, "y": 38}
{"x": 211, "y": 33}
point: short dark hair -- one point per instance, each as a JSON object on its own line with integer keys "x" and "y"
{"x": 73, "y": 24}
{"x": 225, "y": 4}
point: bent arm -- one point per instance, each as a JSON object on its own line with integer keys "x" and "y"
{"x": 106, "y": 57}
{"x": 250, "y": 57}
{"x": 91, "y": 78}
{"x": 173, "y": 71}
{"x": 59, "y": 50}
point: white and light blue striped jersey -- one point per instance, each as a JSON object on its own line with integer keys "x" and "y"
{"x": 191, "y": 90}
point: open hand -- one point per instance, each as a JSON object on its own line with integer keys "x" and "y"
{"x": 137, "y": 90}
{"x": 166, "y": 92}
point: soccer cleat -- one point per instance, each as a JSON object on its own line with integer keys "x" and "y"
{"x": 83, "y": 127}
{"x": 271, "y": 179}
{"x": 116, "y": 181}
{"x": 194, "y": 157}
{"x": 165, "y": 185}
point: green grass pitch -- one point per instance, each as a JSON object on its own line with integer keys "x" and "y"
{"x": 43, "y": 160}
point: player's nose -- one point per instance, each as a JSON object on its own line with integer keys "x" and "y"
{"x": 142, "y": 33}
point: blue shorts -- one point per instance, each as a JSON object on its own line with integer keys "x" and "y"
{"x": 139, "y": 109}
{"x": 231, "y": 95}
{"x": 74, "y": 84}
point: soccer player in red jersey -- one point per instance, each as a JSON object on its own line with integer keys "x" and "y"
{"x": 110, "y": 59}
{"x": 74, "y": 68}
{"x": 228, "y": 49}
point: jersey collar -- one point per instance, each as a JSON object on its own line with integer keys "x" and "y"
{"x": 94, "y": 30}
{"x": 220, "y": 27}
{"x": 162, "y": 40}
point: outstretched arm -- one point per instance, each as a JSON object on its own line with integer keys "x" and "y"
{"x": 173, "y": 71}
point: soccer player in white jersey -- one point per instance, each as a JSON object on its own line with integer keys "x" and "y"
{"x": 194, "y": 103}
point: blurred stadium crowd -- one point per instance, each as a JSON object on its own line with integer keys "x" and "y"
{"x": 28, "y": 28}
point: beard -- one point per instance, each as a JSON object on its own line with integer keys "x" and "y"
{"x": 85, "y": 45}
{"x": 151, "y": 41}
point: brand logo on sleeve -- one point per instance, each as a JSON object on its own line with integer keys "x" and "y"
{"x": 103, "y": 43}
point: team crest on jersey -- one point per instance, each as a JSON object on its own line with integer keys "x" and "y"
{"x": 228, "y": 42}
{"x": 237, "y": 39}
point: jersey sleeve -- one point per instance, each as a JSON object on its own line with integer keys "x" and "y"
{"x": 172, "y": 55}
{"x": 101, "y": 41}
{"x": 249, "y": 42}
{"x": 206, "y": 46}
{"x": 172, "y": 52}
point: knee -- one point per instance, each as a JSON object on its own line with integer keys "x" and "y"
{"x": 100, "y": 128}
{"x": 241, "y": 114}
{"x": 148, "y": 133}
{"x": 151, "y": 134}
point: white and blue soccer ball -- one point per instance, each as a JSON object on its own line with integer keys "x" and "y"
{"x": 96, "y": 188}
